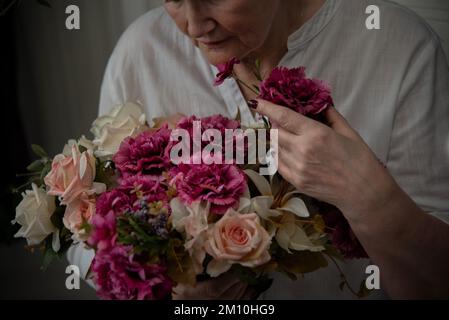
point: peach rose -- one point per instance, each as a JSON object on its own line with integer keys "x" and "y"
{"x": 72, "y": 175}
{"x": 237, "y": 238}
{"x": 76, "y": 214}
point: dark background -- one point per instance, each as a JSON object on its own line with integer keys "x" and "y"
{"x": 50, "y": 80}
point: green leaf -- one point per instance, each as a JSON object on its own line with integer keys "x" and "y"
{"x": 49, "y": 256}
{"x": 39, "y": 151}
{"x": 36, "y": 166}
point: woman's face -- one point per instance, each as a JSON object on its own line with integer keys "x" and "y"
{"x": 223, "y": 29}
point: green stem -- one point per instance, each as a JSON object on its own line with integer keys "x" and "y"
{"x": 247, "y": 86}
{"x": 345, "y": 280}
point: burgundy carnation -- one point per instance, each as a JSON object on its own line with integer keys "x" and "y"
{"x": 290, "y": 88}
{"x": 109, "y": 205}
{"x": 145, "y": 188}
{"x": 146, "y": 154}
{"x": 225, "y": 71}
{"x": 220, "y": 123}
{"x": 342, "y": 236}
{"x": 221, "y": 185}
{"x": 119, "y": 275}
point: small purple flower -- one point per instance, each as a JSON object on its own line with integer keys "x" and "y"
{"x": 225, "y": 71}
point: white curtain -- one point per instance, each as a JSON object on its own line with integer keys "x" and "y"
{"x": 60, "y": 70}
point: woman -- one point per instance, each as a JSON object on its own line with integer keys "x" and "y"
{"x": 390, "y": 87}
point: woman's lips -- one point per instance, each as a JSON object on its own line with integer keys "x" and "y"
{"x": 212, "y": 44}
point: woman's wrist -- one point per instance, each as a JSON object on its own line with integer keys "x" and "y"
{"x": 388, "y": 218}
{"x": 376, "y": 198}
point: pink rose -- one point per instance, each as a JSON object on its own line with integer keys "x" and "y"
{"x": 77, "y": 213}
{"x": 72, "y": 175}
{"x": 237, "y": 238}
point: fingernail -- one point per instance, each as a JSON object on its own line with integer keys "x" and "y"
{"x": 253, "y": 104}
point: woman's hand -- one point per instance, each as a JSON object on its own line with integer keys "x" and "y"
{"x": 225, "y": 287}
{"x": 330, "y": 163}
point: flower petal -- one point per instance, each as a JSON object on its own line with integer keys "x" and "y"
{"x": 217, "y": 267}
{"x": 296, "y": 206}
{"x": 261, "y": 183}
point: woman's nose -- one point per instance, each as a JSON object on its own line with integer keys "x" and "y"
{"x": 199, "y": 22}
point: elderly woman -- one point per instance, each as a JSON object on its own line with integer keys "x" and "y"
{"x": 391, "y": 90}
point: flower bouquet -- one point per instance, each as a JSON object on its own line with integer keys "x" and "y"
{"x": 161, "y": 207}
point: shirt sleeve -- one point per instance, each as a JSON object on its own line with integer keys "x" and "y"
{"x": 418, "y": 156}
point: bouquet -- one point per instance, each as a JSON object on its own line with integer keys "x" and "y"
{"x": 163, "y": 204}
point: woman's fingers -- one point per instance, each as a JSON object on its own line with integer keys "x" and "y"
{"x": 337, "y": 122}
{"x": 284, "y": 117}
{"x": 286, "y": 140}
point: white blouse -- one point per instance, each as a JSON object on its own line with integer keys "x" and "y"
{"x": 392, "y": 85}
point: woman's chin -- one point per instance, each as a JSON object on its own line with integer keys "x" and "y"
{"x": 219, "y": 55}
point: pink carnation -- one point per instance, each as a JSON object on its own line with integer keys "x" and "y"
{"x": 220, "y": 123}
{"x": 109, "y": 205}
{"x": 225, "y": 71}
{"x": 221, "y": 185}
{"x": 145, "y": 188}
{"x": 213, "y": 122}
{"x": 119, "y": 275}
{"x": 146, "y": 154}
{"x": 290, "y": 88}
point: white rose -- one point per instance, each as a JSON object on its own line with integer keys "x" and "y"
{"x": 110, "y": 130}
{"x": 33, "y": 214}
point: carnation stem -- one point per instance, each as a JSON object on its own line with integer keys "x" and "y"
{"x": 247, "y": 86}
{"x": 342, "y": 275}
